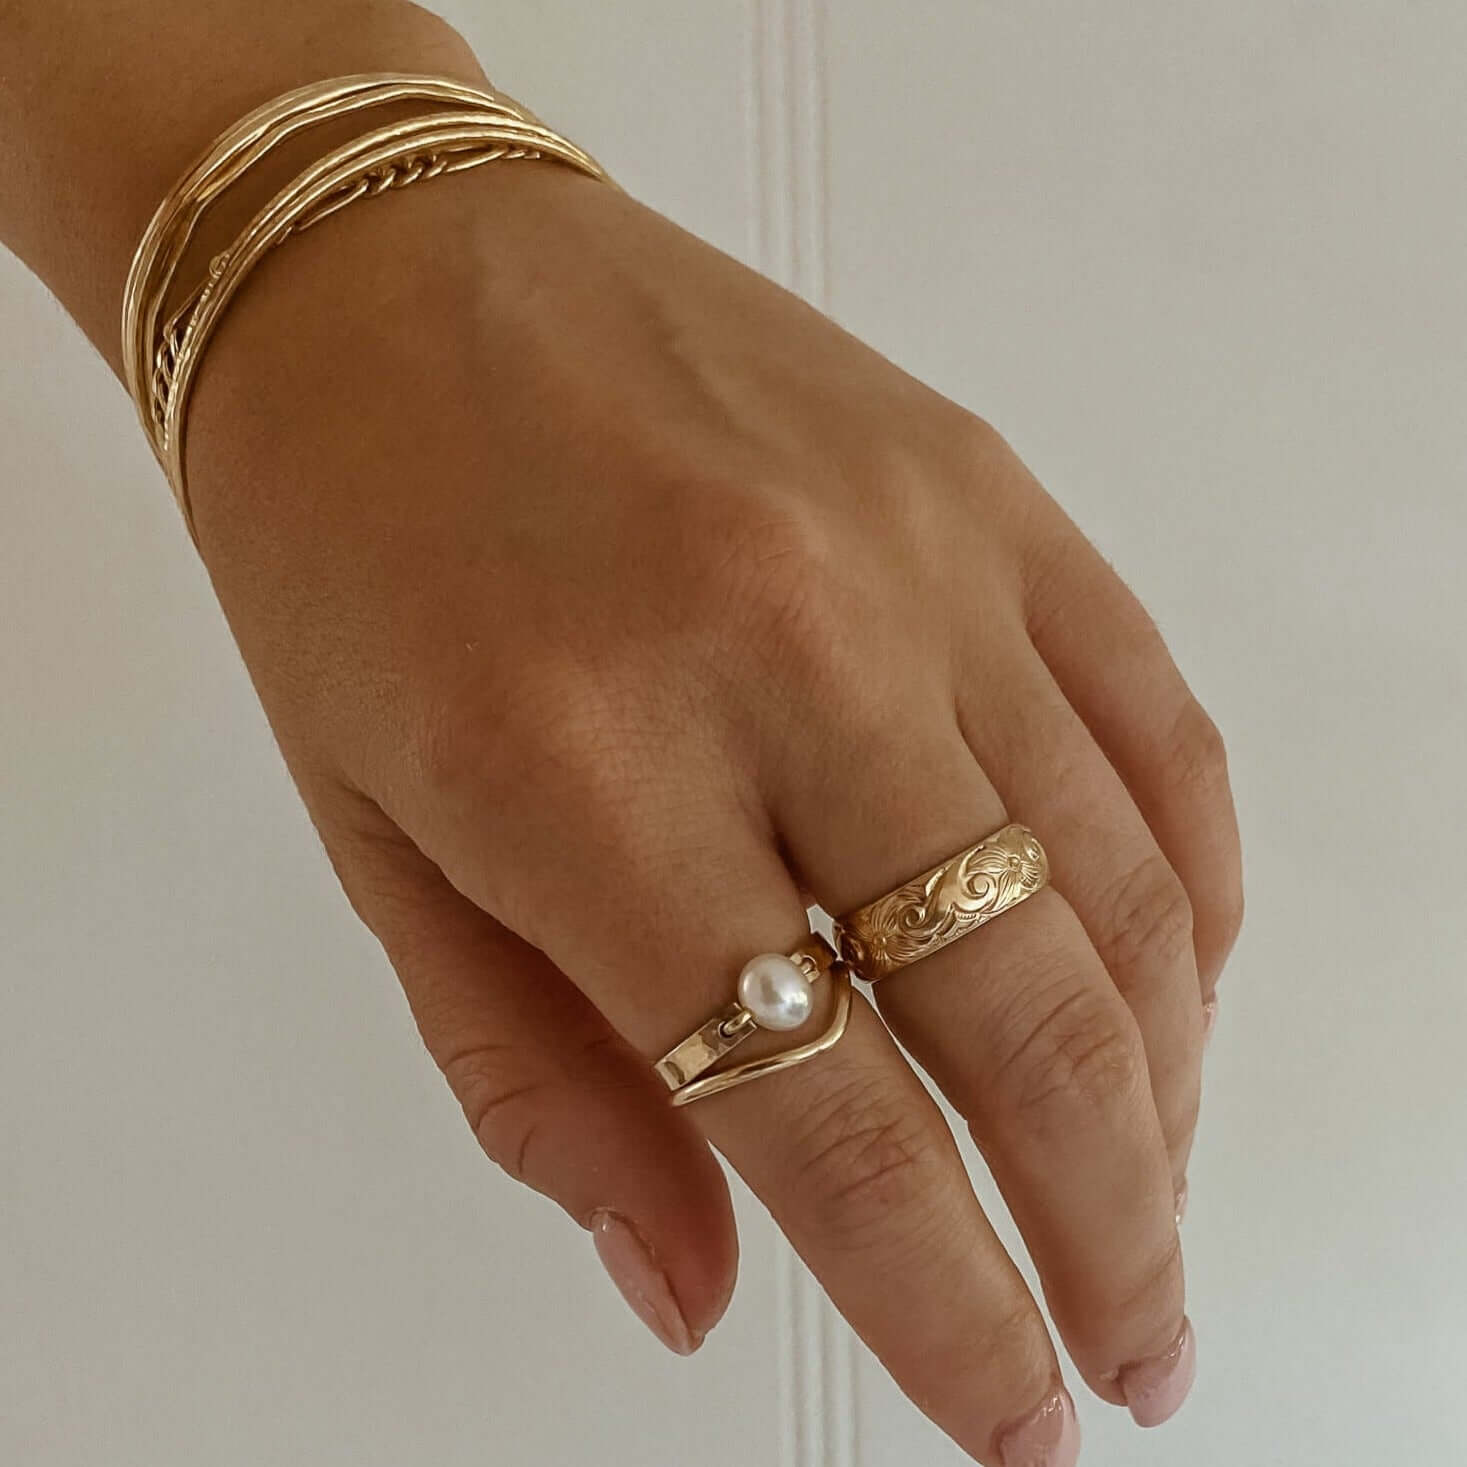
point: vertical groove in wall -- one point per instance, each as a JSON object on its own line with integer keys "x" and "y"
{"x": 784, "y": 90}
{"x": 761, "y": 229}
{"x": 753, "y": 93}
{"x": 787, "y": 1353}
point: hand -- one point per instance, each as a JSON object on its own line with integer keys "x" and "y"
{"x": 607, "y": 603}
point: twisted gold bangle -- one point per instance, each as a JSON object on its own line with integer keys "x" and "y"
{"x": 161, "y": 357}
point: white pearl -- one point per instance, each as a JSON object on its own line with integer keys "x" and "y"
{"x": 775, "y": 990}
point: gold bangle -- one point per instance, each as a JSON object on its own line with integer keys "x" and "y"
{"x": 161, "y": 357}
{"x": 228, "y": 159}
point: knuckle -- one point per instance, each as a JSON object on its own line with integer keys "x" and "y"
{"x": 579, "y": 731}
{"x": 771, "y": 566}
{"x": 982, "y": 439}
{"x": 1005, "y": 1345}
{"x": 1013, "y": 1341}
{"x": 477, "y": 726}
{"x": 449, "y": 751}
{"x": 503, "y": 1106}
{"x": 1054, "y": 596}
{"x": 1197, "y": 760}
{"x": 1179, "y": 1121}
{"x": 1176, "y": 1086}
{"x": 1150, "y": 923}
{"x": 980, "y": 450}
{"x": 756, "y": 534}
{"x": 1224, "y": 921}
{"x": 1154, "y": 1293}
{"x": 1069, "y": 1054}
{"x": 1231, "y": 908}
{"x": 380, "y": 875}
{"x": 864, "y": 1159}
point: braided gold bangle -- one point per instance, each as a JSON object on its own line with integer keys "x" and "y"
{"x": 469, "y": 126}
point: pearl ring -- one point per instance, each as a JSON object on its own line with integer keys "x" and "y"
{"x": 775, "y": 992}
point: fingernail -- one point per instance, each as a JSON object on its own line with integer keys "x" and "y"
{"x": 1046, "y": 1437}
{"x": 1155, "y": 1388}
{"x": 642, "y": 1284}
{"x": 1209, "y": 1019}
{"x": 1182, "y": 1202}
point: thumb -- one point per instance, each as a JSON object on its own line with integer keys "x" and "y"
{"x": 555, "y": 1096}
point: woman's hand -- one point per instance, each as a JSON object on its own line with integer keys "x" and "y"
{"x": 607, "y": 602}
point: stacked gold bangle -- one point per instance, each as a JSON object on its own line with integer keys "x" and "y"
{"x": 463, "y": 127}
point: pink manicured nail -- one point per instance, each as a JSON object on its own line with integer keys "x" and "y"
{"x": 1047, "y": 1437}
{"x": 1209, "y": 1019}
{"x": 643, "y": 1285}
{"x": 1155, "y": 1388}
{"x": 1182, "y": 1202}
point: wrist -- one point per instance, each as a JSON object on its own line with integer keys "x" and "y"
{"x": 100, "y": 114}
{"x": 306, "y": 390}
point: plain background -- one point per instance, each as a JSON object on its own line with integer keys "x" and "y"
{"x": 1203, "y": 265}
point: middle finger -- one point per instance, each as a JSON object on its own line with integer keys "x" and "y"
{"x": 1025, "y": 1033}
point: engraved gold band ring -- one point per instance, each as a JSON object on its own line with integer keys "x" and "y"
{"x": 917, "y": 919}
{"x": 954, "y": 898}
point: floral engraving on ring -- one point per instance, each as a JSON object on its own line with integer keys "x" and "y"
{"x": 943, "y": 904}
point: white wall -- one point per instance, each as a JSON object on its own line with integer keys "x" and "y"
{"x": 1203, "y": 264}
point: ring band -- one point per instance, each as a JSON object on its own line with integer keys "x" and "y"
{"x": 774, "y": 992}
{"x": 951, "y": 900}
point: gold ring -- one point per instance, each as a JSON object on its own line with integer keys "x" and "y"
{"x": 775, "y": 992}
{"x": 948, "y": 902}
